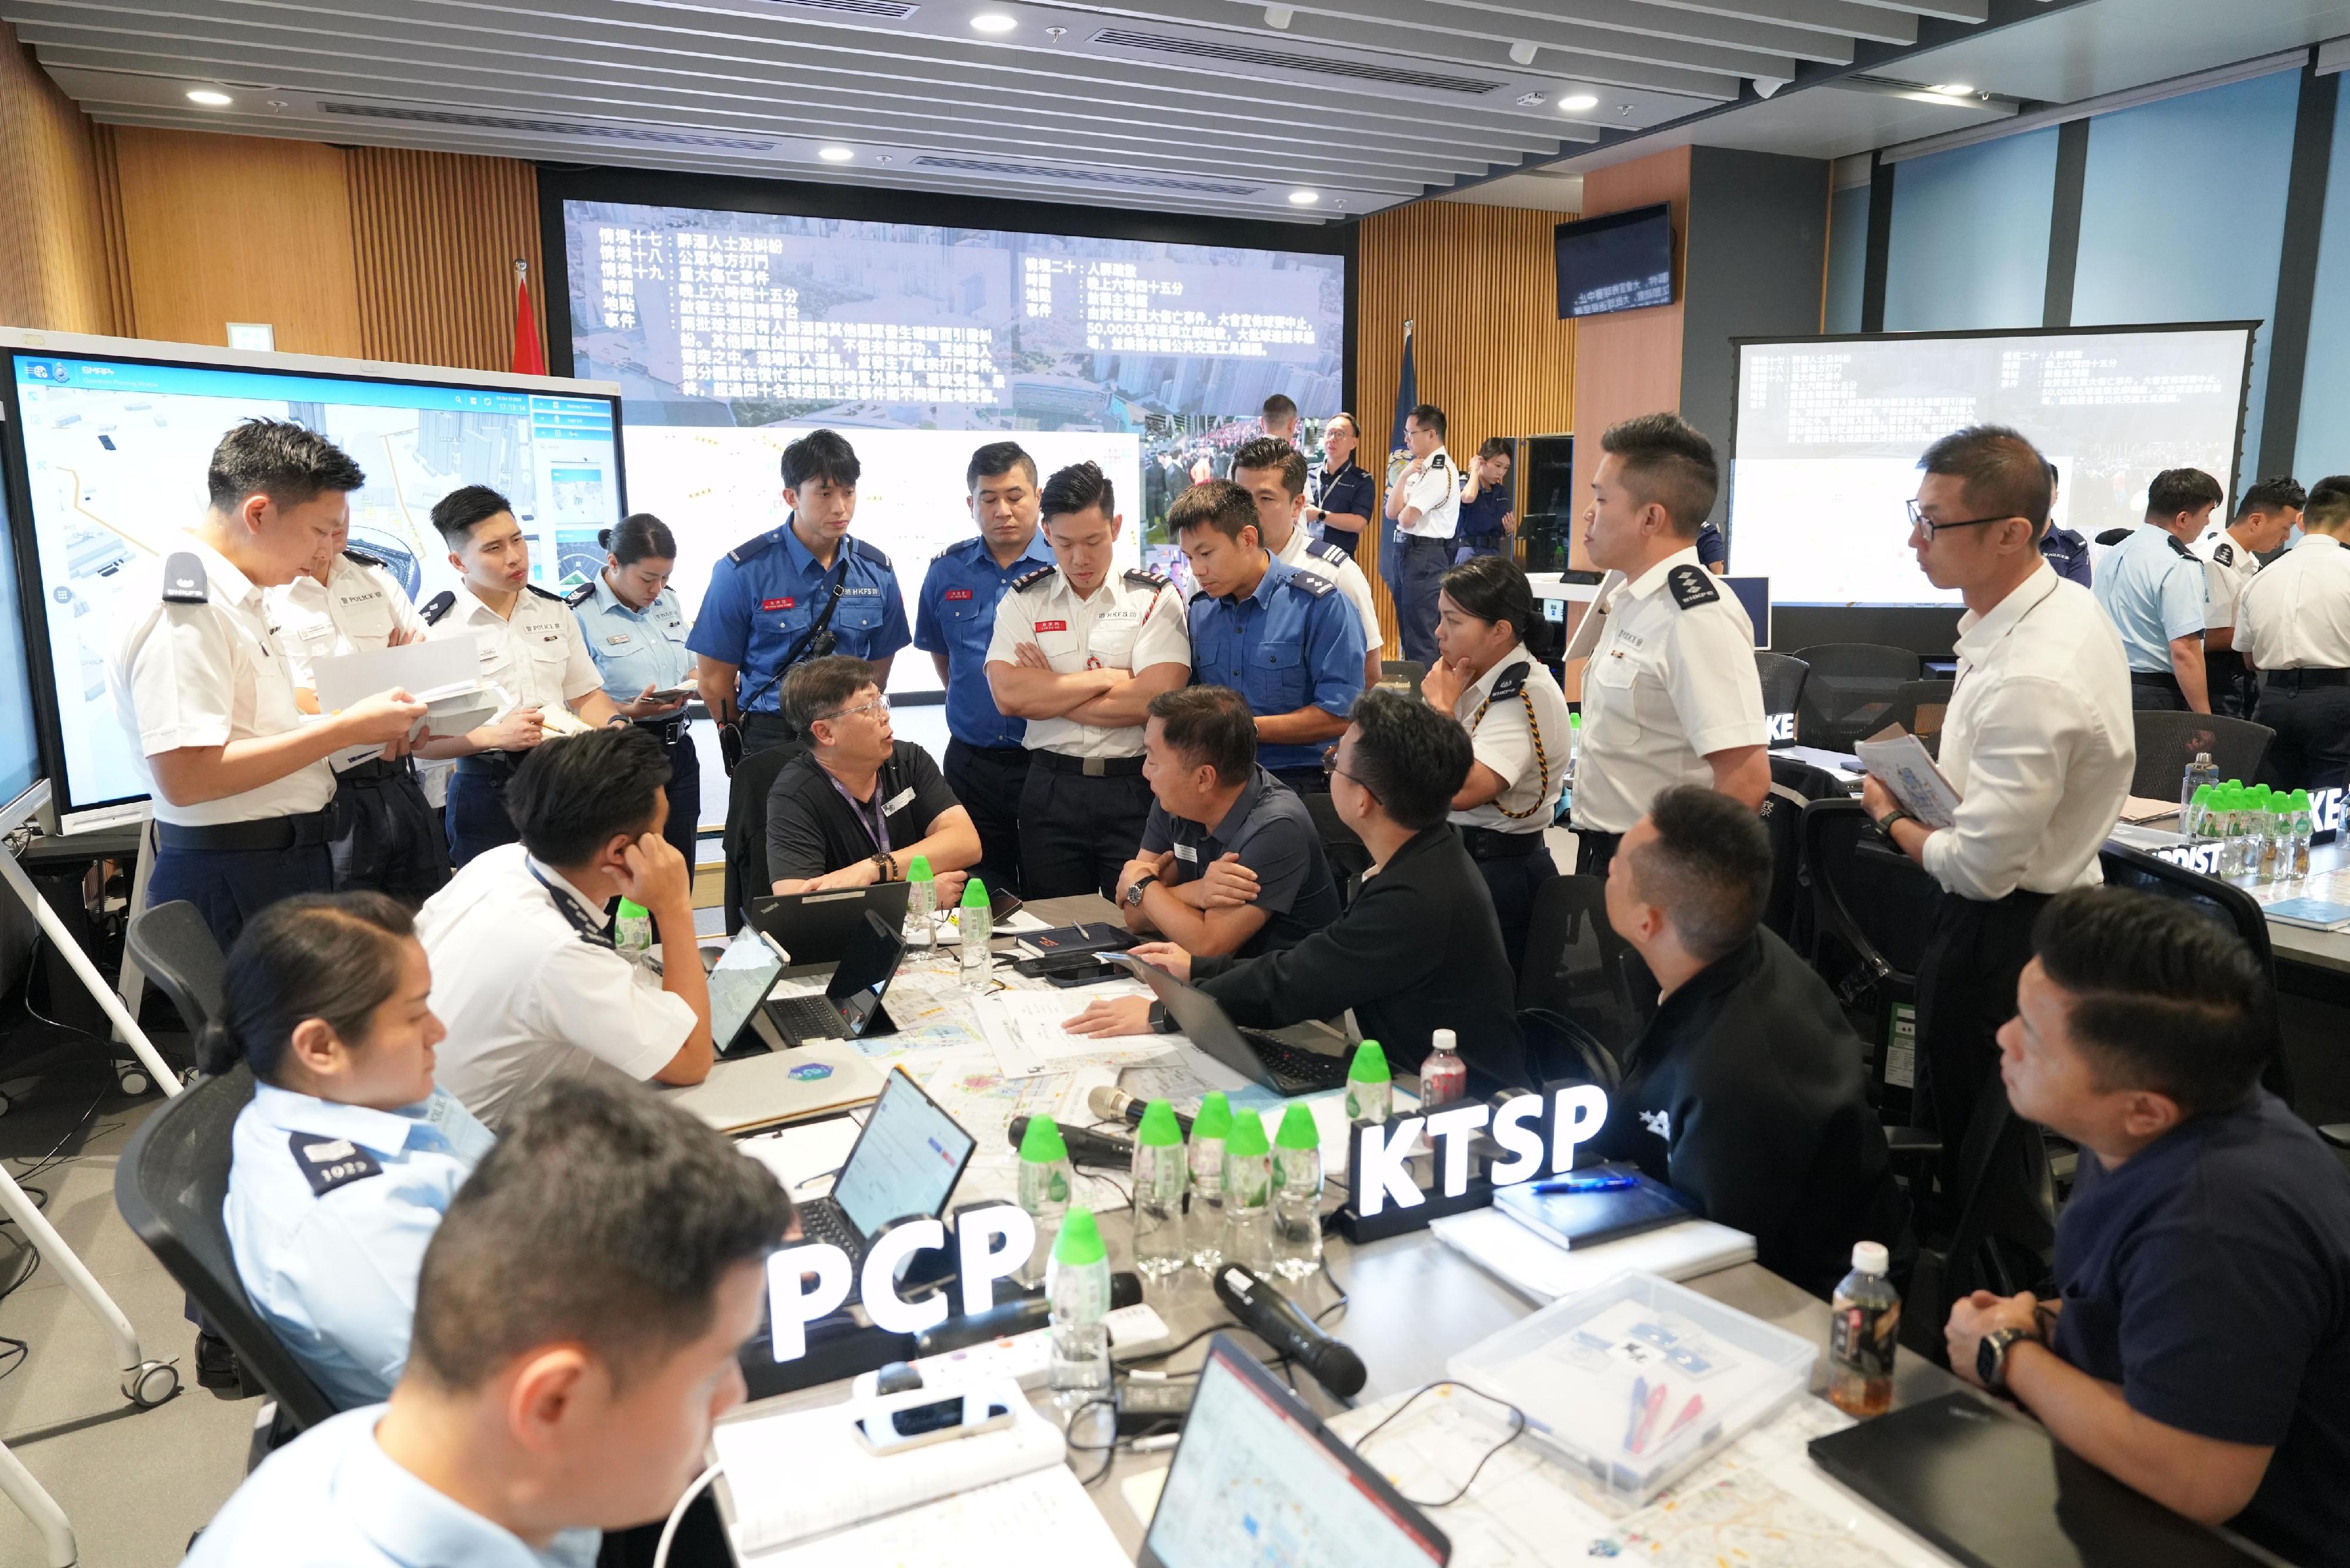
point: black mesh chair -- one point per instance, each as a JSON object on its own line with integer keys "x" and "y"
{"x": 2005, "y": 1236}
{"x": 173, "y": 947}
{"x": 1348, "y": 856}
{"x": 745, "y": 839}
{"x": 1873, "y": 912}
{"x": 1850, "y": 690}
{"x": 1576, "y": 966}
{"x": 1794, "y": 785}
{"x": 1783, "y": 681}
{"x": 1919, "y": 706}
{"x": 2168, "y": 742}
{"x": 170, "y": 1184}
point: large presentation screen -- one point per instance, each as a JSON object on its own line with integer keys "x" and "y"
{"x": 114, "y": 451}
{"x": 1829, "y": 433}
{"x": 731, "y": 334}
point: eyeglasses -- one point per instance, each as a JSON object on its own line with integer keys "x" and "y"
{"x": 1330, "y": 770}
{"x": 1928, "y": 527}
{"x": 878, "y": 705}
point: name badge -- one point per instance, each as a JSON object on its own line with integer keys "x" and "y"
{"x": 1188, "y": 852}
{"x": 777, "y": 604}
{"x": 1052, "y": 626}
{"x": 958, "y": 593}
{"x": 897, "y": 801}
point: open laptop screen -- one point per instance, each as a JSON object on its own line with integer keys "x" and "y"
{"x": 745, "y": 973}
{"x": 906, "y": 1161}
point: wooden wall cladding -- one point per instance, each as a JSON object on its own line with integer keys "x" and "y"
{"x": 52, "y": 268}
{"x": 434, "y": 236}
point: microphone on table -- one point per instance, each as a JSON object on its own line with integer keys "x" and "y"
{"x": 1084, "y": 1147}
{"x": 1031, "y": 1310}
{"x": 1110, "y": 1103}
{"x": 1274, "y": 1318}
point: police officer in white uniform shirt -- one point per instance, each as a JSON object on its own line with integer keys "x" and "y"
{"x": 239, "y": 777}
{"x": 2293, "y": 623}
{"x": 1518, "y": 731}
{"x": 532, "y": 654}
{"x": 1425, "y": 506}
{"x": 2265, "y": 519}
{"x": 1274, "y": 474}
{"x": 2038, "y": 742}
{"x": 1671, "y": 693}
{"x": 387, "y": 836}
{"x": 1079, "y": 650}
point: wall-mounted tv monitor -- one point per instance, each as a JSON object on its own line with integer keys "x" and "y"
{"x": 1621, "y": 262}
{"x": 108, "y": 444}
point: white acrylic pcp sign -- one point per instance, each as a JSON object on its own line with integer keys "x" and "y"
{"x": 807, "y": 1282}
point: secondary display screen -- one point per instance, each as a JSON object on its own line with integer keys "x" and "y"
{"x": 731, "y": 334}
{"x": 1621, "y": 262}
{"x": 115, "y": 452}
{"x": 905, "y": 1162}
{"x": 1829, "y": 433}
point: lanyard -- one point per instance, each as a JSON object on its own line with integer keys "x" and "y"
{"x": 877, "y": 826}
{"x": 590, "y": 932}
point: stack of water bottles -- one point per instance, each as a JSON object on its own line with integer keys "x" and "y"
{"x": 2262, "y": 835}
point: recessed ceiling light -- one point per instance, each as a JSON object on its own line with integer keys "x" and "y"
{"x": 1576, "y": 103}
{"x": 1304, "y": 198}
{"x": 836, "y": 154}
{"x": 211, "y": 97}
{"x": 994, "y": 22}
{"x": 1956, "y": 89}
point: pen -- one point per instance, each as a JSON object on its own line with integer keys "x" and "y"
{"x": 1647, "y": 1417}
{"x": 1640, "y": 1404}
{"x": 1613, "y": 1181}
{"x": 1689, "y": 1413}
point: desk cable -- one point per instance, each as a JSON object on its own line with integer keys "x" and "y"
{"x": 685, "y": 1499}
{"x": 1517, "y": 1429}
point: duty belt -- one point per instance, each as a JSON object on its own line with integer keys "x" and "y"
{"x": 1491, "y": 844}
{"x": 268, "y": 833}
{"x": 666, "y": 730}
{"x": 2292, "y": 678}
{"x": 1092, "y": 767}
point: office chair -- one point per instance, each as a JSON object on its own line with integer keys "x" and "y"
{"x": 1576, "y": 966}
{"x": 1849, "y": 691}
{"x": 745, "y": 839}
{"x": 2167, "y": 744}
{"x": 2004, "y": 1237}
{"x": 1783, "y": 681}
{"x": 1348, "y": 856}
{"x": 170, "y": 1184}
{"x": 1919, "y": 706}
{"x": 1872, "y": 911}
{"x": 1794, "y": 785}
{"x": 173, "y": 947}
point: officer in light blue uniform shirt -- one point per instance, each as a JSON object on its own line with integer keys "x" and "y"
{"x": 986, "y": 762}
{"x": 635, "y": 629}
{"x": 1284, "y": 636}
{"x": 2151, "y": 586}
{"x": 766, "y": 606}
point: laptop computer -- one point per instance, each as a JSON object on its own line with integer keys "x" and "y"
{"x": 1283, "y": 1068}
{"x": 904, "y": 1165}
{"x": 1258, "y": 1479}
{"x": 820, "y": 928}
{"x": 740, "y": 978}
{"x": 851, "y": 1007}
{"x": 769, "y": 1088}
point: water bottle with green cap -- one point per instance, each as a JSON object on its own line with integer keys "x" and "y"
{"x": 1158, "y": 1172}
{"x": 1370, "y": 1087}
{"x": 1046, "y": 1178}
{"x": 976, "y": 927}
{"x": 1076, "y": 1284}
{"x": 1297, "y": 1194}
{"x": 2265, "y": 835}
{"x": 1248, "y": 1194}
{"x": 2305, "y": 828}
{"x": 2195, "y": 821}
{"x": 632, "y": 929}
{"x": 921, "y": 903}
{"x": 1204, "y": 1220}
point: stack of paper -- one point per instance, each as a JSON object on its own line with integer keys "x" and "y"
{"x": 1043, "y": 1515}
{"x": 1535, "y": 1266}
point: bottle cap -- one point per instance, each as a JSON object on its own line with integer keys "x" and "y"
{"x": 1041, "y": 1144}
{"x": 1215, "y": 1118}
{"x": 1158, "y": 1124}
{"x": 1575, "y": 720}
{"x": 1370, "y": 1065}
{"x": 2202, "y": 759}
{"x": 1442, "y": 1040}
{"x": 1080, "y": 1241}
{"x": 1297, "y": 1128}
{"x": 2202, "y": 793}
{"x": 631, "y": 911}
{"x": 2301, "y": 800}
{"x": 918, "y": 869}
{"x": 1868, "y": 1257}
{"x": 975, "y": 894}
{"x": 1248, "y": 1136}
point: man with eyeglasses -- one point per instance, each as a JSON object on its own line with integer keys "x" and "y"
{"x": 2038, "y": 742}
{"x": 859, "y": 804}
{"x": 2152, "y": 586}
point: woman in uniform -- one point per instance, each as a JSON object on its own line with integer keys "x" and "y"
{"x": 636, "y": 632}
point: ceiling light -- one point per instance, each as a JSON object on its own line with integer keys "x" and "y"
{"x": 1529, "y": 99}
{"x": 1955, "y": 90}
{"x": 1578, "y": 103}
{"x": 994, "y": 22}
{"x": 836, "y": 154}
{"x": 211, "y": 97}
{"x": 1304, "y": 198}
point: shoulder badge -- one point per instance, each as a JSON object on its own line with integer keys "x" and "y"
{"x": 328, "y": 1163}
{"x": 1509, "y": 683}
{"x": 1693, "y": 587}
{"x": 945, "y": 550}
{"x": 183, "y": 579}
{"x": 1327, "y": 552}
{"x": 1436, "y": 463}
{"x": 361, "y": 559}
{"x": 544, "y": 593}
{"x": 436, "y": 606}
{"x": 1027, "y": 580}
{"x": 1143, "y": 579}
{"x": 2178, "y": 546}
{"x": 754, "y": 547}
{"x": 2225, "y": 554}
{"x": 580, "y": 594}
{"x": 871, "y": 553}
{"x": 1313, "y": 583}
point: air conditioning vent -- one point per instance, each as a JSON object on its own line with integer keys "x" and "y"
{"x": 551, "y": 127}
{"x": 1288, "y": 60}
{"x": 1085, "y": 176}
{"x": 888, "y": 10}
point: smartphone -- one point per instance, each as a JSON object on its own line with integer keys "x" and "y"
{"x": 673, "y": 694}
{"x": 938, "y": 1421}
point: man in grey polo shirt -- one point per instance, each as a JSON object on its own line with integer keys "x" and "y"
{"x": 1231, "y": 862}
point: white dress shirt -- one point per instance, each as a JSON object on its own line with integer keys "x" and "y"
{"x": 1325, "y": 559}
{"x": 2296, "y": 613}
{"x": 1437, "y": 492}
{"x": 1131, "y": 621}
{"x": 527, "y": 990}
{"x": 2228, "y": 570}
{"x": 2038, "y": 740}
{"x": 536, "y": 657}
{"x": 1671, "y": 680}
{"x": 204, "y": 675}
{"x": 1503, "y": 740}
{"x": 357, "y": 610}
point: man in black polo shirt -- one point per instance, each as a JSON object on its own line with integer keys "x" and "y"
{"x": 2199, "y": 1349}
{"x": 859, "y": 804}
{"x": 1231, "y": 862}
{"x": 1746, "y": 1092}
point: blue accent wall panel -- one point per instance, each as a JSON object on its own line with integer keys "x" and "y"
{"x": 1971, "y": 236}
{"x": 2323, "y": 446}
{"x": 2182, "y": 215}
{"x": 1847, "y": 258}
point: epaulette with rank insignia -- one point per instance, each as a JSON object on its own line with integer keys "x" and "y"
{"x": 580, "y": 594}
{"x": 1510, "y": 682}
{"x": 361, "y": 559}
{"x": 1693, "y": 587}
{"x": 1327, "y": 552}
{"x": 1027, "y": 580}
{"x": 1312, "y": 582}
{"x": 436, "y": 606}
{"x": 544, "y": 593}
{"x": 328, "y": 1163}
{"x": 754, "y": 547}
{"x": 2224, "y": 553}
{"x": 1436, "y": 462}
{"x": 183, "y": 579}
{"x": 1143, "y": 577}
{"x": 2179, "y": 545}
{"x": 871, "y": 553}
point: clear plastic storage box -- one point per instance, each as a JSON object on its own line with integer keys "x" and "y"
{"x": 1636, "y": 1380}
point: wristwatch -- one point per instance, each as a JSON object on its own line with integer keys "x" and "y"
{"x": 1899, "y": 814}
{"x": 1990, "y": 1356}
{"x": 1134, "y": 892}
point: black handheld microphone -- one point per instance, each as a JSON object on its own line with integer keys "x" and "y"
{"x": 1030, "y": 1310}
{"x": 1274, "y": 1318}
{"x": 1110, "y": 1103}
{"x": 1084, "y": 1147}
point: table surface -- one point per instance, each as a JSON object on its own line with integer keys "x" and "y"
{"x": 1412, "y": 1302}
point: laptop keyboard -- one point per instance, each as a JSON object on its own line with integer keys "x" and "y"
{"x": 808, "y": 1018}
{"x": 821, "y": 1219}
{"x": 1297, "y": 1071}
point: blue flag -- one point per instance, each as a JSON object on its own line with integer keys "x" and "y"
{"x": 1391, "y": 561}
{"x": 1407, "y": 394}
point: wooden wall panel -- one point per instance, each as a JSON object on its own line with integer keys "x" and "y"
{"x": 53, "y": 268}
{"x": 1480, "y": 288}
{"x": 239, "y": 228}
{"x": 434, "y": 236}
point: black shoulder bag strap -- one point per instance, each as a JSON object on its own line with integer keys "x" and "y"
{"x": 814, "y": 643}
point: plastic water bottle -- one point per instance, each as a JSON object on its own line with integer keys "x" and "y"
{"x": 2200, "y": 775}
{"x": 1203, "y": 1220}
{"x": 1297, "y": 1194}
{"x": 1046, "y": 1178}
{"x": 2273, "y": 850}
{"x": 976, "y": 923}
{"x": 2235, "y": 822}
{"x": 1248, "y": 1194}
{"x": 632, "y": 930}
{"x": 2195, "y": 816}
{"x": 1076, "y": 1284}
{"x": 1573, "y": 751}
{"x": 1864, "y": 1322}
{"x": 1370, "y": 1087}
{"x": 1443, "y": 1076}
{"x": 2304, "y": 818}
{"x": 921, "y": 903}
{"x": 1158, "y": 1173}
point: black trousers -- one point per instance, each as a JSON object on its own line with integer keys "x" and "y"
{"x": 987, "y": 780}
{"x": 2312, "y": 749}
{"x": 229, "y": 886}
{"x": 388, "y": 838}
{"x": 1425, "y": 562}
{"x": 2234, "y": 690}
{"x": 476, "y": 812}
{"x": 1595, "y": 852}
{"x": 1966, "y": 991}
{"x": 683, "y": 826}
{"x": 1076, "y": 833}
{"x": 2156, "y": 689}
{"x": 1305, "y": 780}
{"x": 1512, "y": 880}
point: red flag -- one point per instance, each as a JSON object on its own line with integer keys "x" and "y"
{"x": 528, "y": 361}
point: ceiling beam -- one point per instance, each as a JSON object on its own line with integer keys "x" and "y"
{"x": 1516, "y": 21}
